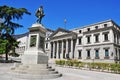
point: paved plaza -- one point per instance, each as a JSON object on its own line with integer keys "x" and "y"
{"x": 68, "y": 74}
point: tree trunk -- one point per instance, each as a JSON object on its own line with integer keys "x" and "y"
{"x": 6, "y": 55}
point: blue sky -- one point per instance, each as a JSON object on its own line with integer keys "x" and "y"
{"x": 77, "y": 12}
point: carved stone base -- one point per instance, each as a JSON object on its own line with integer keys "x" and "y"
{"x": 34, "y": 57}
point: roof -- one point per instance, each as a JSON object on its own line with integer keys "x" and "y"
{"x": 109, "y": 20}
{"x": 50, "y": 30}
{"x": 20, "y": 35}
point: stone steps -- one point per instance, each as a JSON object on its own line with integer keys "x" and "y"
{"x": 34, "y": 72}
{"x": 35, "y": 77}
{"x": 35, "y": 69}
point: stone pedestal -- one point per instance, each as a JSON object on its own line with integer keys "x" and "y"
{"x": 35, "y": 51}
{"x": 34, "y": 57}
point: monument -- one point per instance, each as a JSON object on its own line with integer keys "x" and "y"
{"x": 34, "y": 64}
{"x": 35, "y": 52}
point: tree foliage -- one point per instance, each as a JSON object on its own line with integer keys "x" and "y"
{"x": 7, "y": 27}
{"x": 2, "y": 46}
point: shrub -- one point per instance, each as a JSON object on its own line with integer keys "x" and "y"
{"x": 69, "y": 63}
{"x": 76, "y": 63}
{"x": 103, "y": 66}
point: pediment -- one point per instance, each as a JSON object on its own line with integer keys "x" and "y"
{"x": 59, "y": 33}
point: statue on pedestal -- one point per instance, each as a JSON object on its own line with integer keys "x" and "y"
{"x": 34, "y": 60}
{"x": 40, "y": 14}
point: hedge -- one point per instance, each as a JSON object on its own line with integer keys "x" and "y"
{"x": 110, "y": 67}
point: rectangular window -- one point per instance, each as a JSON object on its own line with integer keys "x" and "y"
{"x": 96, "y": 54}
{"x": 79, "y": 54}
{"x": 116, "y": 56}
{"x": 80, "y": 41}
{"x": 88, "y": 29}
{"x": 115, "y": 38}
{"x": 106, "y": 53}
{"x": 105, "y": 25}
{"x": 88, "y": 39}
{"x": 106, "y": 37}
{"x": 119, "y": 54}
{"x": 96, "y": 27}
{"x": 88, "y": 54}
{"x": 96, "y": 38}
{"x": 80, "y": 31}
{"x": 46, "y": 45}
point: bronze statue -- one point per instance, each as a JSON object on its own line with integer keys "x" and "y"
{"x": 40, "y": 14}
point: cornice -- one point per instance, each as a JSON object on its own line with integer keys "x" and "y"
{"x": 98, "y": 44}
{"x": 63, "y": 30}
{"x": 65, "y": 35}
{"x": 98, "y": 30}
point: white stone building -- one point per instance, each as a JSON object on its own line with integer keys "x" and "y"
{"x": 23, "y": 39}
{"x": 99, "y": 42}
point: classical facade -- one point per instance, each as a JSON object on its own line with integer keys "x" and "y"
{"x": 99, "y": 42}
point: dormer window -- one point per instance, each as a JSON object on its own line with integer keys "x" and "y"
{"x": 80, "y": 31}
{"x": 96, "y": 27}
{"x": 88, "y": 29}
{"x": 105, "y": 25}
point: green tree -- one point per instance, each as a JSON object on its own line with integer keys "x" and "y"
{"x": 7, "y": 27}
{"x": 13, "y": 45}
{"x": 2, "y": 46}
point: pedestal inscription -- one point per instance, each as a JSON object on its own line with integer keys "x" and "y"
{"x": 33, "y": 41}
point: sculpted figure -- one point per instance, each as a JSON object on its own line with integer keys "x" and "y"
{"x": 40, "y": 14}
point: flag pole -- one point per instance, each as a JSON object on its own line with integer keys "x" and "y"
{"x": 65, "y": 21}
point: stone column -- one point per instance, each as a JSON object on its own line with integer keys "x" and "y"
{"x": 66, "y": 47}
{"x": 53, "y": 49}
{"x": 71, "y": 54}
{"x": 57, "y": 55}
{"x": 49, "y": 52}
{"x": 62, "y": 50}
